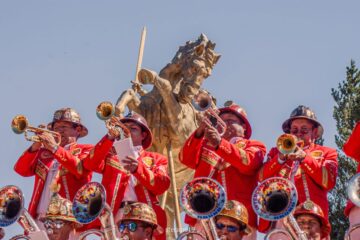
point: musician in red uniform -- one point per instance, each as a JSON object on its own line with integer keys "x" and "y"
{"x": 131, "y": 179}
{"x": 232, "y": 158}
{"x": 352, "y": 149}
{"x": 317, "y": 171}
{"x": 56, "y": 164}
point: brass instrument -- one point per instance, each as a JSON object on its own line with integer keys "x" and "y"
{"x": 20, "y": 124}
{"x": 105, "y": 111}
{"x": 203, "y": 198}
{"x": 353, "y": 192}
{"x": 89, "y": 204}
{"x": 275, "y": 199}
{"x": 12, "y": 210}
{"x": 194, "y": 235}
{"x": 353, "y": 189}
{"x": 287, "y": 143}
{"x": 350, "y": 230}
{"x": 202, "y": 102}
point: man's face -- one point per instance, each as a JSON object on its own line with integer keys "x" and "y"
{"x": 228, "y": 228}
{"x": 310, "y": 225}
{"x": 304, "y": 130}
{"x": 135, "y": 230}
{"x": 235, "y": 127}
{"x": 58, "y": 229}
{"x": 137, "y": 135}
{"x": 68, "y": 131}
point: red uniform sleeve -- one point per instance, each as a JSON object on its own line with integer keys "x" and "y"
{"x": 190, "y": 153}
{"x": 26, "y": 164}
{"x": 72, "y": 162}
{"x": 155, "y": 179}
{"x": 271, "y": 167}
{"x": 246, "y": 158}
{"x": 352, "y": 145}
{"x": 323, "y": 172}
{"x": 95, "y": 161}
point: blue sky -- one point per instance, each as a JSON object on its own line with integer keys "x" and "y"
{"x": 275, "y": 56}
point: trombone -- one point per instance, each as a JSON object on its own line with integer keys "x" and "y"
{"x": 106, "y": 111}
{"x": 20, "y": 124}
{"x": 202, "y": 102}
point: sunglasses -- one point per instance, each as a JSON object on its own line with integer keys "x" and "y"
{"x": 131, "y": 226}
{"x": 229, "y": 228}
{"x": 54, "y": 224}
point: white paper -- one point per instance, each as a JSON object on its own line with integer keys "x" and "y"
{"x": 123, "y": 148}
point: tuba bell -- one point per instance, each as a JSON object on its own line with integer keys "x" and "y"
{"x": 203, "y": 198}
{"x": 203, "y": 102}
{"x": 11, "y": 205}
{"x": 12, "y": 210}
{"x": 20, "y": 124}
{"x": 89, "y": 204}
{"x": 275, "y": 199}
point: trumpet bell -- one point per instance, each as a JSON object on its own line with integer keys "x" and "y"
{"x": 202, "y": 101}
{"x": 105, "y": 110}
{"x": 274, "y": 199}
{"x": 19, "y": 124}
{"x": 89, "y": 202}
{"x": 11, "y": 205}
{"x": 353, "y": 189}
{"x": 202, "y": 198}
{"x": 286, "y": 143}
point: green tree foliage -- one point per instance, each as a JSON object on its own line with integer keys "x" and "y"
{"x": 346, "y": 113}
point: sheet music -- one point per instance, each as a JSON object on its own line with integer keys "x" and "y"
{"x": 125, "y": 147}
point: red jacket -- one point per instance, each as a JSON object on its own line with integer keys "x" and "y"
{"x": 71, "y": 174}
{"x": 151, "y": 175}
{"x": 320, "y": 169}
{"x": 352, "y": 149}
{"x": 237, "y": 173}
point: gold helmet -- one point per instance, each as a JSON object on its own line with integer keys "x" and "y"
{"x": 236, "y": 210}
{"x": 68, "y": 115}
{"x": 60, "y": 208}
{"x": 140, "y": 212}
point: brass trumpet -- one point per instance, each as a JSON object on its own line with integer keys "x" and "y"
{"x": 287, "y": 143}
{"x": 20, "y": 124}
{"x": 202, "y": 102}
{"x": 105, "y": 111}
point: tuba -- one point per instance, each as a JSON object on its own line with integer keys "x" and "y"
{"x": 106, "y": 111}
{"x": 20, "y": 124}
{"x": 202, "y": 102}
{"x": 12, "y": 210}
{"x": 275, "y": 199}
{"x": 203, "y": 198}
